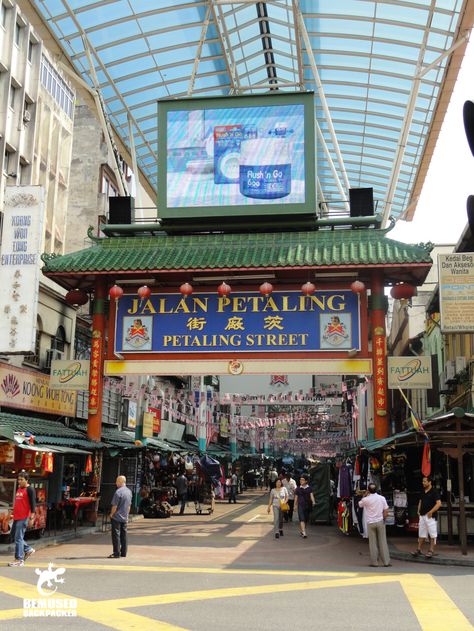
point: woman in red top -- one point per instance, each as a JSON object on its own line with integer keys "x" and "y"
{"x": 23, "y": 514}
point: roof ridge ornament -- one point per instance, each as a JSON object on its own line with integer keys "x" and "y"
{"x": 393, "y": 221}
{"x": 428, "y": 246}
{"x": 48, "y": 256}
{"x": 91, "y": 235}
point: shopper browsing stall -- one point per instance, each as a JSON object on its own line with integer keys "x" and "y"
{"x": 376, "y": 509}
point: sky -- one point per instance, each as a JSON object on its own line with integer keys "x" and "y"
{"x": 441, "y": 215}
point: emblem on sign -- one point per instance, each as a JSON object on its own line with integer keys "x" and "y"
{"x": 335, "y": 332}
{"x": 137, "y": 333}
{"x": 235, "y": 367}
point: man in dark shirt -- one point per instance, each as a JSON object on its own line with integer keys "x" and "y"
{"x": 182, "y": 491}
{"x": 427, "y": 527}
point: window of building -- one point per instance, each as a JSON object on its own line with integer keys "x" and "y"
{"x": 30, "y": 50}
{"x": 34, "y": 358}
{"x": 53, "y": 82}
{"x": 17, "y": 34}
{"x": 3, "y": 15}
{"x": 9, "y": 163}
{"x": 58, "y": 342}
{"x": 107, "y": 186}
{"x": 13, "y": 91}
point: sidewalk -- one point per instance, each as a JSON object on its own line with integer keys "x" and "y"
{"x": 62, "y": 536}
{"x": 401, "y": 548}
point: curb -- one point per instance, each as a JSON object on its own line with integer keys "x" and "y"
{"x": 435, "y": 560}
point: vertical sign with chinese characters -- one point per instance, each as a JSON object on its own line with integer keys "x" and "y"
{"x": 21, "y": 244}
{"x": 95, "y": 366}
{"x": 380, "y": 375}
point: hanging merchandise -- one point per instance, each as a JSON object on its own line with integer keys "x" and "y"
{"x": 89, "y": 464}
{"x": 48, "y": 462}
{"x": 426, "y": 459}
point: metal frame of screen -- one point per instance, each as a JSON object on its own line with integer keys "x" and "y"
{"x": 308, "y": 207}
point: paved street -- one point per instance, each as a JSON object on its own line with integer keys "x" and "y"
{"x": 227, "y": 572}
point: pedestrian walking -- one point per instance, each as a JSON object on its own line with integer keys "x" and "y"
{"x": 23, "y": 515}
{"x": 304, "y": 502}
{"x": 234, "y": 482}
{"x": 121, "y": 503}
{"x": 273, "y": 477}
{"x": 278, "y": 498}
{"x": 428, "y": 505}
{"x": 376, "y": 511}
{"x": 290, "y": 485}
{"x": 181, "y": 484}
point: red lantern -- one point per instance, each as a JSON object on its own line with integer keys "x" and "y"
{"x": 308, "y": 288}
{"x": 404, "y": 291}
{"x": 266, "y": 289}
{"x": 144, "y": 292}
{"x": 116, "y": 292}
{"x": 224, "y": 289}
{"x": 186, "y": 289}
{"x": 358, "y": 287}
{"x": 76, "y": 297}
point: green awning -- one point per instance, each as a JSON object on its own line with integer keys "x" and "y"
{"x": 317, "y": 248}
{"x": 45, "y": 432}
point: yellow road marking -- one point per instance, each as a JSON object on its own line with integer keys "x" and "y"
{"x": 253, "y": 590}
{"x": 202, "y": 570}
{"x": 101, "y": 611}
{"x": 11, "y": 614}
{"x": 432, "y": 606}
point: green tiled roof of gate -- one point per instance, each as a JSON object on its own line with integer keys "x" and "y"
{"x": 227, "y": 251}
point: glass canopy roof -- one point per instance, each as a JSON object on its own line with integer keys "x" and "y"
{"x": 377, "y": 69}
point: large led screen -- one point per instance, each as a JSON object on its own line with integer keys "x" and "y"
{"x": 231, "y": 156}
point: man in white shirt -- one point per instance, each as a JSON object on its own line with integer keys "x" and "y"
{"x": 290, "y": 485}
{"x": 376, "y": 511}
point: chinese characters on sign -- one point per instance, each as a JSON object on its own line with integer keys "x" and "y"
{"x": 244, "y": 322}
{"x": 95, "y": 368}
{"x": 380, "y": 375}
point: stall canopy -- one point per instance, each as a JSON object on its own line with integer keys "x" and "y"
{"x": 44, "y": 432}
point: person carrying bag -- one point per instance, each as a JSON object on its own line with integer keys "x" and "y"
{"x": 278, "y": 499}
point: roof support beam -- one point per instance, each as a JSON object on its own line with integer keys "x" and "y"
{"x": 340, "y": 188}
{"x": 322, "y": 96}
{"x": 197, "y": 59}
{"x": 221, "y": 27}
{"x": 410, "y": 110}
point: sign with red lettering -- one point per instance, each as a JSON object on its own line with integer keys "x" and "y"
{"x": 380, "y": 374}
{"x": 95, "y": 374}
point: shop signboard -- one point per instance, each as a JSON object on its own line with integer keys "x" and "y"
{"x": 148, "y": 418}
{"x": 456, "y": 292}
{"x": 156, "y": 419}
{"x": 30, "y": 390}
{"x": 70, "y": 374}
{"x": 409, "y": 373}
{"x": 285, "y": 321}
{"x": 132, "y": 415}
{"x": 21, "y": 245}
